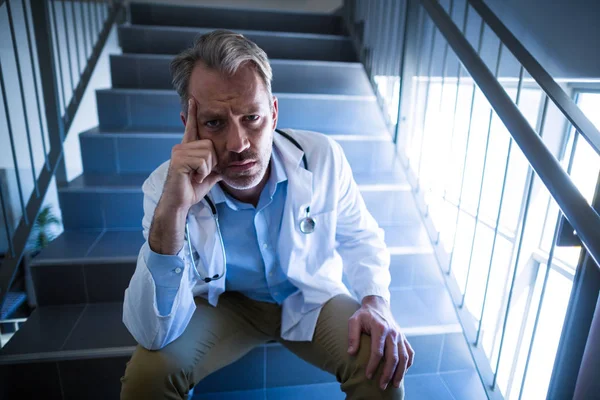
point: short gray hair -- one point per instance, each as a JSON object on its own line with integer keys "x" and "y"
{"x": 222, "y": 50}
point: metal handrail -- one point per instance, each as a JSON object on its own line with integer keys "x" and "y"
{"x": 57, "y": 122}
{"x": 584, "y": 219}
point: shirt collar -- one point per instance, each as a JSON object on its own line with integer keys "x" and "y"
{"x": 278, "y": 175}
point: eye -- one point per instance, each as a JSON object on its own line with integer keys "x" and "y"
{"x": 252, "y": 118}
{"x": 215, "y": 123}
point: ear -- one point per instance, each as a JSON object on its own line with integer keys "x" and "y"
{"x": 275, "y": 112}
{"x": 182, "y": 118}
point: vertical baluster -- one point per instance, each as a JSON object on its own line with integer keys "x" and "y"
{"x": 76, "y": 35}
{"x": 470, "y": 125}
{"x": 510, "y": 142}
{"x": 64, "y": 13}
{"x": 84, "y": 29}
{"x": 11, "y": 248}
{"x": 489, "y": 129}
{"x": 12, "y": 146}
{"x": 13, "y": 37}
{"x": 58, "y": 55}
{"x": 423, "y": 124}
{"x": 548, "y": 265}
{"x": 35, "y": 85}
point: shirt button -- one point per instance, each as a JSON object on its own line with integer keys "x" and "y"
{"x": 276, "y": 293}
{"x": 178, "y": 270}
{"x": 271, "y": 274}
{"x": 265, "y": 245}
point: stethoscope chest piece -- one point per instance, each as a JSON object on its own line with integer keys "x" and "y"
{"x": 307, "y": 225}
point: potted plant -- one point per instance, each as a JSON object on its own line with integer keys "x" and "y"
{"x": 41, "y": 236}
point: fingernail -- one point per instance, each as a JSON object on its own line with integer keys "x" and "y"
{"x": 190, "y": 102}
{"x": 384, "y": 386}
{"x": 369, "y": 376}
{"x": 350, "y": 349}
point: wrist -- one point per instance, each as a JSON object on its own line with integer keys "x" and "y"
{"x": 373, "y": 300}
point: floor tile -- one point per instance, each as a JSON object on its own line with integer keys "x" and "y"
{"x": 258, "y": 394}
{"x": 324, "y": 391}
{"x": 70, "y": 244}
{"x": 59, "y": 284}
{"x": 46, "y": 330}
{"x": 107, "y": 281}
{"x": 410, "y": 270}
{"x": 464, "y": 385}
{"x": 423, "y": 307}
{"x": 427, "y": 353}
{"x": 16, "y": 381}
{"x": 426, "y": 387}
{"x": 92, "y": 379}
{"x": 392, "y": 208}
{"x": 100, "y": 326}
{"x": 407, "y": 235}
{"x": 456, "y": 354}
{"x": 296, "y": 371}
{"x": 118, "y": 244}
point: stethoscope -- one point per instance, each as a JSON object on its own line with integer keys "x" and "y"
{"x": 306, "y": 225}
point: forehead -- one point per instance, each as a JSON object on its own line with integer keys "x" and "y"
{"x": 215, "y": 90}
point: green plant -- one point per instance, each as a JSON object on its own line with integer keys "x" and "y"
{"x": 41, "y": 235}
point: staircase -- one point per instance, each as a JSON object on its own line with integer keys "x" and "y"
{"x": 74, "y": 345}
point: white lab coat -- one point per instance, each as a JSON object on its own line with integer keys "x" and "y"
{"x": 346, "y": 239}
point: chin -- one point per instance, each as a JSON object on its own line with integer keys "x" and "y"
{"x": 244, "y": 182}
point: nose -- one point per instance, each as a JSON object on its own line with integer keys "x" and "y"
{"x": 237, "y": 139}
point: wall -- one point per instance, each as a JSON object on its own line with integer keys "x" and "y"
{"x": 563, "y": 35}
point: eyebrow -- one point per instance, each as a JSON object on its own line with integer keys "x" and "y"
{"x": 214, "y": 114}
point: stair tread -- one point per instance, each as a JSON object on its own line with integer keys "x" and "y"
{"x": 274, "y": 61}
{"x": 97, "y": 331}
{"x": 88, "y": 247}
{"x": 245, "y": 32}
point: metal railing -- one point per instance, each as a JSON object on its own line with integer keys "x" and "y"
{"x": 55, "y": 47}
{"x": 458, "y": 89}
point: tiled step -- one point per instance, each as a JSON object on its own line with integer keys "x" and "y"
{"x": 114, "y": 206}
{"x": 87, "y": 346}
{"x": 229, "y": 18}
{"x": 287, "y": 45}
{"x": 150, "y": 71}
{"x": 86, "y": 267}
{"x": 159, "y": 109}
{"x": 373, "y": 161}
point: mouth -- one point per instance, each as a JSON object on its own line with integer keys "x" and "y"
{"x": 241, "y": 165}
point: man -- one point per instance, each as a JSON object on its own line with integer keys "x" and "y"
{"x": 245, "y": 243}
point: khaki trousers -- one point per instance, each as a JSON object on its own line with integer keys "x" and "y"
{"x": 218, "y": 336}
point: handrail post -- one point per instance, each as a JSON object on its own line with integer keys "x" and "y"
{"x": 40, "y": 14}
{"x": 579, "y": 347}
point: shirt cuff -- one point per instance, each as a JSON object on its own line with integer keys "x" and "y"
{"x": 166, "y": 270}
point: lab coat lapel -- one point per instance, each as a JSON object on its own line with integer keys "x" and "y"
{"x": 292, "y": 243}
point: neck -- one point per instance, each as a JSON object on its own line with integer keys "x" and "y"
{"x": 251, "y": 195}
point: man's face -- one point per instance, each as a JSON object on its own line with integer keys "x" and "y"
{"x": 237, "y": 114}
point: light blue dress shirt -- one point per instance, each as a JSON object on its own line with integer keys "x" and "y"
{"x": 250, "y": 235}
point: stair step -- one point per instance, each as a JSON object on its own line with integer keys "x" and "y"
{"x": 118, "y": 207}
{"x": 286, "y": 45}
{"x": 234, "y": 18}
{"x": 160, "y": 109}
{"x": 150, "y": 71}
{"x": 60, "y": 338}
{"x": 372, "y": 161}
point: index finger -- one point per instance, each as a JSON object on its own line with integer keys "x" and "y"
{"x": 191, "y": 126}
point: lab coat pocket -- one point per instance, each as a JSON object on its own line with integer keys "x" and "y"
{"x": 321, "y": 243}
